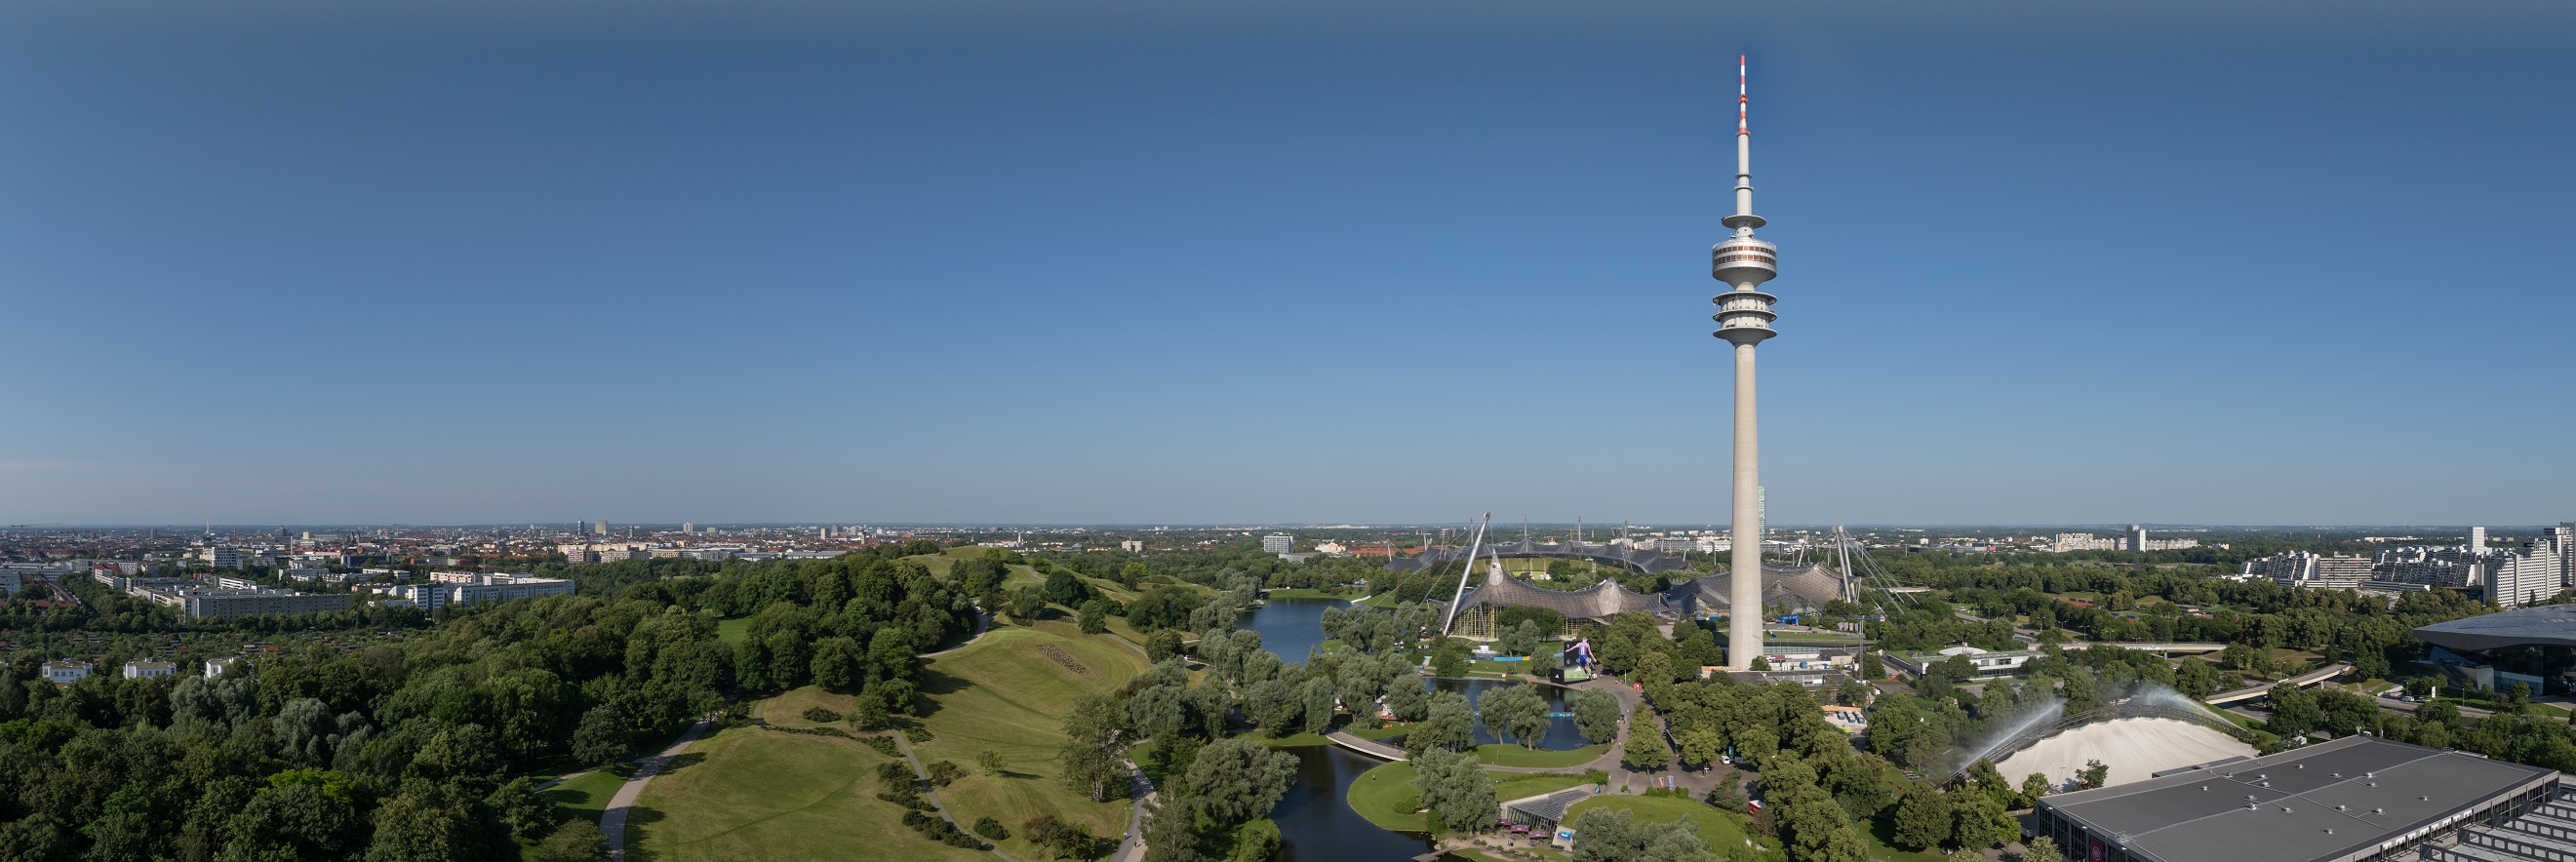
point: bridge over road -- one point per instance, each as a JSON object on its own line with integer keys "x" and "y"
{"x": 2301, "y": 681}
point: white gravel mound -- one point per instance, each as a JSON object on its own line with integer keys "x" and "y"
{"x": 2134, "y": 748}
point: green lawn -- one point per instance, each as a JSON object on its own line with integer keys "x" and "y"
{"x": 587, "y": 796}
{"x": 1007, "y": 693}
{"x": 752, "y": 793}
{"x": 1381, "y": 600}
{"x": 1717, "y": 828}
{"x": 1513, "y": 755}
{"x": 1385, "y": 796}
{"x": 731, "y": 631}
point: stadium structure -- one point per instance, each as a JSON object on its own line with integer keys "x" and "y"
{"x": 2535, "y": 646}
{"x": 1799, "y": 589}
{"x": 2347, "y": 800}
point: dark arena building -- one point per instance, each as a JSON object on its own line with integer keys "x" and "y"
{"x": 2534, "y": 645}
{"x": 2351, "y": 799}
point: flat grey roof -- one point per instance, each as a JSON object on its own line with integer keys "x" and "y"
{"x": 2324, "y": 801}
{"x": 2546, "y": 625}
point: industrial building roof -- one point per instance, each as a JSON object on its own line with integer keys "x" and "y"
{"x": 2551, "y": 625}
{"x": 2321, "y": 802}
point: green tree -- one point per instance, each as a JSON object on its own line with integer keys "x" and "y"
{"x": 990, "y": 762}
{"x": 1645, "y": 748}
{"x": 297, "y": 821}
{"x": 1454, "y": 786}
{"x": 1448, "y": 723}
{"x": 838, "y": 664}
{"x": 1449, "y": 659}
{"x": 1171, "y": 833}
{"x": 1095, "y": 617}
{"x": 1981, "y": 821}
{"x": 2042, "y": 848}
{"x": 577, "y": 840}
{"x": 1256, "y": 840}
{"x": 1596, "y": 714}
{"x": 1871, "y": 667}
{"x": 2033, "y": 787}
{"x": 1162, "y": 644}
{"x": 2093, "y": 775}
{"x": 428, "y": 824}
{"x": 1516, "y": 712}
{"x": 1235, "y": 780}
{"x": 1318, "y": 697}
{"x": 1275, "y": 705}
{"x": 1922, "y": 818}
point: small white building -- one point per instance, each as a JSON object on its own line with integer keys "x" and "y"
{"x": 66, "y": 672}
{"x": 216, "y": 667}
{"x": 148, "y": 669}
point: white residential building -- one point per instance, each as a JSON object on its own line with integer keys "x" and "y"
{"x": 474, "y": 589}
{"x": 2303, "y": 569}
{"x": 148, "y": 669}
{"x": 1278, "y": 543}
{"x": 216, "y": 667}
{"x": 224, "y": 558}
{"x": 2082, "y": 542}
{"x": 66, "y": 672}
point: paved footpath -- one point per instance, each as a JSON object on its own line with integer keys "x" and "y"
{"x": 613, "y": 821}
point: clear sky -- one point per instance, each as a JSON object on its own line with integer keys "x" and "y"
{"x": 1331, "y": 260}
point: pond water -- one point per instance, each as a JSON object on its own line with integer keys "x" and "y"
{"x": 1290, "y": 628}
{"x": 1316, "y": 823}
{"x": 1561, "y": 735}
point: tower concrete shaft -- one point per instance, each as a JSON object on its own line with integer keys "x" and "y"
{"x": 1744, "y": 320}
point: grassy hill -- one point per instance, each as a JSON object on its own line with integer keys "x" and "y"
{"x": 1008, "y": 693}
{"x": 750, "y": 793}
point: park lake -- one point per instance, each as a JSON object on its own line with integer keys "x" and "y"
{"x": 1315, "y": 818}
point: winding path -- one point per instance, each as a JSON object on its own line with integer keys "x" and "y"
{"x": 612, "y": 822}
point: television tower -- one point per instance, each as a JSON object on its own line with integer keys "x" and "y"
{"x": 1744, "y": 320}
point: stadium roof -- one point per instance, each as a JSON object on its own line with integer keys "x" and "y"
{"x": 2545, "y": 625}
{"x": 2334, "y": 800}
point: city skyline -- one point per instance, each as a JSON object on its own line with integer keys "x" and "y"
{"x": 1270, "y": 266}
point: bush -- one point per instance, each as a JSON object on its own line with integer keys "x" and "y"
{"x": 821, "y": 715}
{"x": 993, "y": 829}
{"x": 943, "y": 772}
{"x": 883, "y": 744}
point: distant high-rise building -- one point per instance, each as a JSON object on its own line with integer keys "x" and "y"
{"x": 687, "y": 528}
{"x": 225, "y": 558}
{"x": 599, "y": 528}
{"x": 2477, "y": 539}
{"x": 1278, "y": 543}
{"x": 2137, "y": 540}
{"x": 581, "y": 526}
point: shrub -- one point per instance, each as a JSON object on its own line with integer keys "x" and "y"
{"x": 821, "y": 715}
{"x": 993, "y": 829}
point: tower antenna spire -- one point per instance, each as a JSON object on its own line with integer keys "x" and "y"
{"x": 1744, "y": 318}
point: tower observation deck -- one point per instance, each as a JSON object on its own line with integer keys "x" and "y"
{"x": 1744, "y": 318}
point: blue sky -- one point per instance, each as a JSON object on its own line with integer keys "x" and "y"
{"x": 1324, "y": 261}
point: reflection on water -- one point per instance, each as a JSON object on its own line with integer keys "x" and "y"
{"x": 1290, "y": 628}
{"x": 1316, "y": 823}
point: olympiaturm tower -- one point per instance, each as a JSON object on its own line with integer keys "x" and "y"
{"x": 1744, "y": 320}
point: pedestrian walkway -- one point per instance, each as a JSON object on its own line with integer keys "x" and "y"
{"x": 613, "y": 821}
